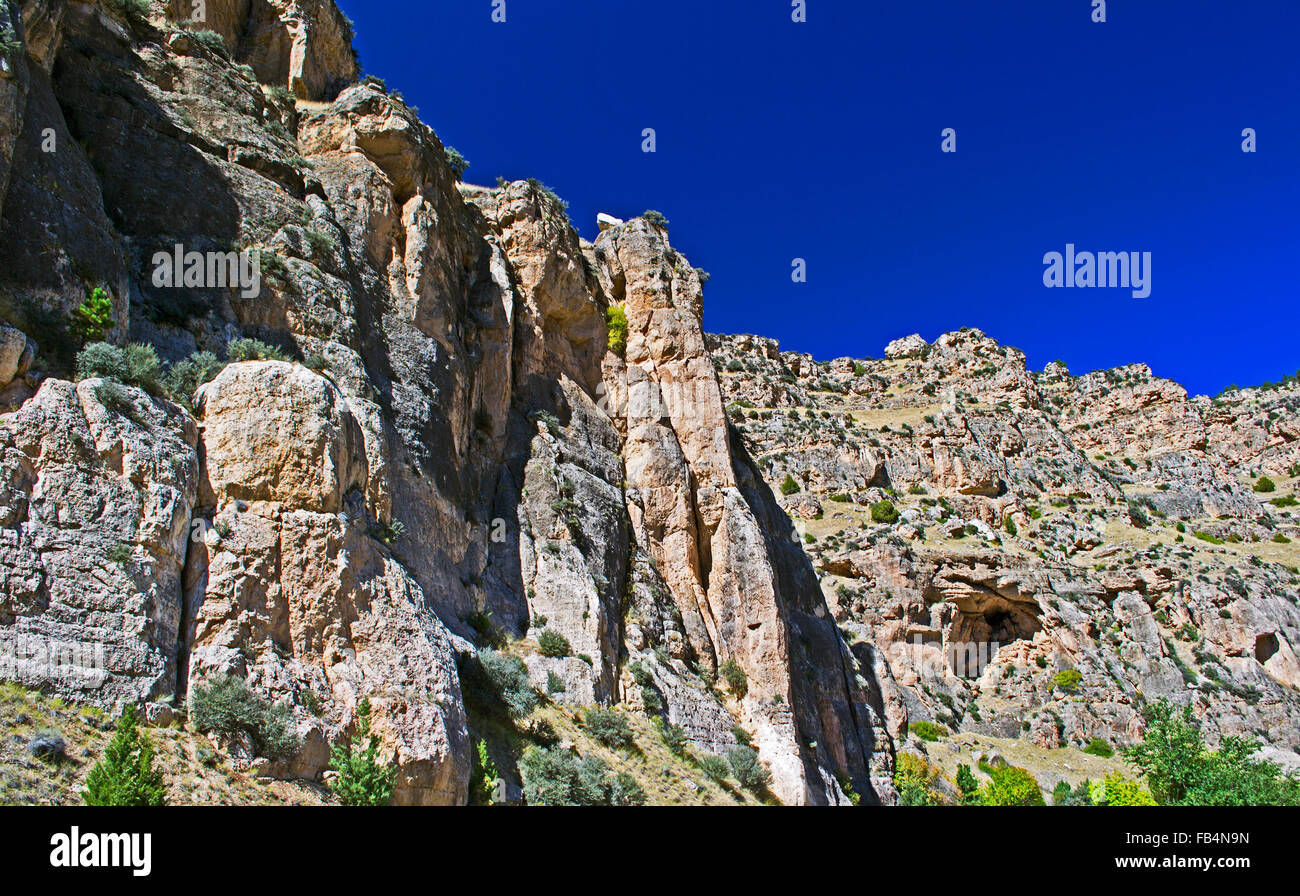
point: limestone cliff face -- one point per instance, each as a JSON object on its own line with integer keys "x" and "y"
{"x": 460, "y": 456}
{"x": 987, "y": 528}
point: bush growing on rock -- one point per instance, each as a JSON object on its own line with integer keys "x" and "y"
{"x": 789, "y": 486}
{"x": 459, "y": 164}
{"x": 553, "y": 644}
{"x": 1265, "y": 485}
{"x": 1099, "y": 747}
{"x": 136, "y": 365}
{"x": 927, "y": 731}
{"x": 655, "y": 219}
{"x": 245, "y": 349}
{"x": 227, "y": 705}
{"x": 94, "y": 317}
{"x": 184, "y": 378}
{"x": 1068, "y": 680}
{"x": 735, "y": 677}
{"x": 362, "y": 779}
{"x": 508, "y": 676}
{"x": 616, "y": 321}
{"x": 553, "y": 776}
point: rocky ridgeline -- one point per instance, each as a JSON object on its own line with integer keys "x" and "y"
{"x": 1104, "y": 531}
{"x": 449, "y": 455}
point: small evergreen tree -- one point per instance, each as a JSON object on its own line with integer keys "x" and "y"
{"x": 126, "y": 775}
{"x": 969, "y": 787}
{"x": 362, "y": 779}
{"x": 94, "y": 317}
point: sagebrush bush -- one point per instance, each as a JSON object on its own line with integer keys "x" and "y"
{"x": 245, "y": 349}
{"x": 553, "y": 644}
{"x": 459, "y": 164}
{"x": 184, "y": 378}
{"x": 927, "y": 731}
{"x": 509, "y": 678}
{"x": 136, "y": 365}
{"x": 227, "y": 705}
{"x": 748, "y": 770}
{"x": 609, "y": 726}
{"x": 717, "y": 768}
{"x": 735, "y": 677}
{"x": 553, "y": 776}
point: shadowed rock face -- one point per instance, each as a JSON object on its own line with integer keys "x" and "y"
{"x": 464, "y": 446}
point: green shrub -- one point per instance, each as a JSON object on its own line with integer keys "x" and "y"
{"x": 459, "y": 164}
{"x": 126, "y": 776}
{"x": 968, "y": 786}
{"x": 927, "y": 731}
{"x": 915, "y": 779}
{"x": 1265, "y": 485}
{"x": 509, "y": 679}
{"x": 616, "y": 321}
{"x": 1181, "y": 771}
{"x": 553, "y": 776}
{"x": 555, "y": 684}
{"x": 228, "y": 706}
{"x": 884, "y": 512}
{"x": 1068, "y": 680}
{"x": 94, "y": 317}
{"x": 1013, "y": 787}
{"x": 362, "y": 779}
{"x": 715, "y": 767}
{"x": 245, "y": 349}
{"x": 747, "y": 769}
{"x": 674, "y": 737}
{"x": 184, "y": 378}
{"x": 484, "y": 778}
{"x": 610, "y": 727}
{"x": 136, "y": 365}
{"x": 212, "y": 41}
{"x": 735, "y": 677}
{"x": 789, "y": 486}
{"x": 1117, "y": 790}
{"x": 1099, "y": 747}
{"x": 553, "y": 644}
{"x": 119, "y": 553}
{"x": 1010, "y": 525}
{"x": 1279, "y": 538}
{"x": 1285, "y": 501}
{"x": 101, "y": 360}
{"x": 655, "y": 219}
{"x": 134, "y": 12}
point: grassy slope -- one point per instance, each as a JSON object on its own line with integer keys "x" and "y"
{"x": 195, "y": 772}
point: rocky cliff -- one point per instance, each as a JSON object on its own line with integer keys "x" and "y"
{"x": 443, "y": 441}
{"x": 440, "y": 450}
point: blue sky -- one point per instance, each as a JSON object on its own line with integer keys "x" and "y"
{"x": 821, "y": 141}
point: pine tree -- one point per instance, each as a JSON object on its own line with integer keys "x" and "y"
{"x": 362, "y": 779}
{"x": 126, "y": 775}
